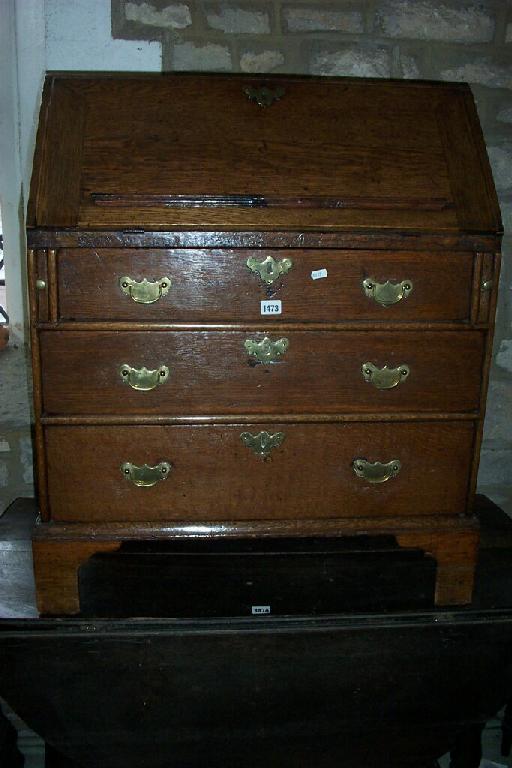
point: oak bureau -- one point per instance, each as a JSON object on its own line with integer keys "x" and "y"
{"x": 259, "y": 307}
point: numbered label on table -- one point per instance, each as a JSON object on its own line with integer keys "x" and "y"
{"x": 259, "y": 610}
{"x": 274, "y": 307}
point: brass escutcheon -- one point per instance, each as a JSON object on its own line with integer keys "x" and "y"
{"x": 145, "y": 291}
{"x": 146, "y": 476}
{"x": 263, "y": 442}
{"x": 386, "y": 294}
{"x": 264, "y": 96}
{"x": 269, "y": 269}
{"x": 376, "y": 472}
{"x": 266, "y": 351}
{"x": 385, "y": 378}
{"x": 142, "y": 378}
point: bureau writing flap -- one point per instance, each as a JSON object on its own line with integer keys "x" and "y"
{"x": 238, "y": 152}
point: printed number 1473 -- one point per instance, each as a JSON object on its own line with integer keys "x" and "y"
{"x": 271, "y": 307}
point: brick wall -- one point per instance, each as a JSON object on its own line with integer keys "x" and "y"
{"x": 431, "y": 39}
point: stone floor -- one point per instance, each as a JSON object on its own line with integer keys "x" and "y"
{"x": 29, "y": 743}
{"x": 16, "y": 460}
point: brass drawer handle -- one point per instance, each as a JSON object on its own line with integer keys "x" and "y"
{"x": 269, "y": 269}
{"x": 146, "y": 476}
{"x": 266, "y": 351}
{"x": 145, "y": 291}
{"x": 263, "y": 442}
{"x": 142, "y": 378}
{"x": 376, "y": 472}
{"x": 386, "y": 293}
{"x": 385, "y": 378}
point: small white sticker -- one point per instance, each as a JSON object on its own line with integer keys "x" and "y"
{"x": 317, "y": 274}
{"x": 257, "y": 610}
{"x": 274, "y": 307}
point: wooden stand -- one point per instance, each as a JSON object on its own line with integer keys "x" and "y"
{"x": 59, "y": 549}
{"x": 393, "y": 689}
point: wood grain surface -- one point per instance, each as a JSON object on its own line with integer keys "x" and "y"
{"x": 272, "y": 237}
{"x": 184, "y": 176}
{"x": 215, "y": 476}
{"x": 55, "y": 191}
{"x": 390, "y": 690}
{"x": 217, "y": 285}
{"x": 64, "y": 556}
{"x": 211, "y": 372}
{"x": 397, "y": 145}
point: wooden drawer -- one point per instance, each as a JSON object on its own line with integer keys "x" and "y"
{"x": 217, "y": 285}
{"x": 215, "y": 476}
{"x": 211, "y": 372}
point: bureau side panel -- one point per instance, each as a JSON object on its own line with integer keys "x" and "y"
{"x": 489, "y": 276}
{"x": 38, "y": 308}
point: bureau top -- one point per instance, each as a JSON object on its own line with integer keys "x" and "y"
{"x": 232, "y": 152}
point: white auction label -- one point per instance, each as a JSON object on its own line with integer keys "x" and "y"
{"x": 274, "y": 307}
{"x": 317, "y": 274}
{"x": 258, "y": 610}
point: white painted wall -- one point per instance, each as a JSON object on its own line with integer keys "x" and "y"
{"x": 39, "y": 35}
{"x": 11, "y": 153}
{"x": 78, "y": 36}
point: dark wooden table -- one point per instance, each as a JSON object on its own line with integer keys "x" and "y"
{"x": 388, "y": 688}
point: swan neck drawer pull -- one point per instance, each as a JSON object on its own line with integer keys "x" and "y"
{"x": 145, "y": 291}
{"x": 386, "y": 294}
{"x": 145, "y": 476}
{"x": 263, "y": 442}
{"x": 269, "y": 269}
{"x": 385, "y": 378}
{"x": 266, "y": 350}
{"x": 143, "y": 379}
{"x": 376, "y": 472}
{"x": 263, "y": 95}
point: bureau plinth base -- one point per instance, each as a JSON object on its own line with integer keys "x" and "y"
{"x": 60, "y": 549}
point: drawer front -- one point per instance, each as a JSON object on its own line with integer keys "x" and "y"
{"x": 212, "y": 473}
{"x": 215, "y": 372}
{"x": 217, "y": 285}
